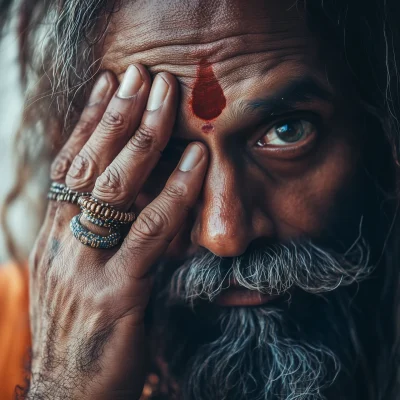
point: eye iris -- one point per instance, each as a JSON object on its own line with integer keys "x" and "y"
{"x": 290, "y": 132}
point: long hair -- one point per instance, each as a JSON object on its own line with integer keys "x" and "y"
{"x": 59, "y": 51}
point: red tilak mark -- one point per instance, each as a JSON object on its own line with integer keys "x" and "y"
{"x": 207, "y": 128}
{"x": 208, "y": 100}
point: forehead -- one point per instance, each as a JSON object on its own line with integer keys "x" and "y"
{"x": 253, "y": 46}
{"x": 177, "y": 34}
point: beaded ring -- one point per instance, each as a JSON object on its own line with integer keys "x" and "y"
{"x": 100, "y": 222}
{"x": 92, "y": 239}
{"x": 104, "y": 211}
{"x": 61, "y": 192}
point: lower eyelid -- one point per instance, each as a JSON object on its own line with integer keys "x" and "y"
{"x": 288, "y": 152}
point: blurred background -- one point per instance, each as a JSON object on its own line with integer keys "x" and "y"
{"x": 10, "y": 112}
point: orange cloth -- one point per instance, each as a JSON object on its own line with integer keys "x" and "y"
{"x": 14, "y": 328}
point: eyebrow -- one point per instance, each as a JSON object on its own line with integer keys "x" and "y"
{"x": 302, "y": 90}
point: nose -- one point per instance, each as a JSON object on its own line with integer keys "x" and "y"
{"x": 229, "y": 217}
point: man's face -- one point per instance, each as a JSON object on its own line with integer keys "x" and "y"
{"x": 285, "y": 147}
{"x": 272, "y": 104}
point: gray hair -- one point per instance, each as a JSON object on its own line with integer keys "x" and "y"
{"x": 273, "y": 270}
{"x": 61, "y": 70}
{"x": 275, "y": 351}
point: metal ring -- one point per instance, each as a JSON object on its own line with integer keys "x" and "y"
{"x": 104, "y": 211}
{"x": 60, "y": 192}
{"x": 99, "y": 222}
{"x": 91, "y": 239}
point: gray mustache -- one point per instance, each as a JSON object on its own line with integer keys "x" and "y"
{"x": 273, "y": 270}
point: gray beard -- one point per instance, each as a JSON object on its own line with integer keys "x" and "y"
{"x": 271, "y": 352}
{"x": 256, "y": 358}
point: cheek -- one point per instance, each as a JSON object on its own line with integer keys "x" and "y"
{"x": 307, "y": 203}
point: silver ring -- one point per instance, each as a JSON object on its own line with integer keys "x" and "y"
{"x": 88, "y": 238}
{"x": 60, "y": 192}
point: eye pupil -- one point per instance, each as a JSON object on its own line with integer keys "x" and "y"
{"x": 283, "y": 128}
{"x": 288, "y": 132}
{"x": 291, "y": 131}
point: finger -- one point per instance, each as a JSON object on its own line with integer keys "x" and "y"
{"x": 101, "y": 94}
{"x": 160, "y": 221}
{"x": 122, "y": 180}
{"x": 120, "y": 120}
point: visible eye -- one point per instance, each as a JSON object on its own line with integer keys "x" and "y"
{"x": 288, "y": 133}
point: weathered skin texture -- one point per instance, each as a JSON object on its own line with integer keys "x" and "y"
{"x": 241, "y": 182}
{"x": 249, "y": 192}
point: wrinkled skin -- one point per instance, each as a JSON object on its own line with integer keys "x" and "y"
{"x": 255, "y": 49}
{"x": 88, "y": 305}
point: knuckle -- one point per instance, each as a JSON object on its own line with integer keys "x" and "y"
{"x": 110, "y": 179}
{"x": 150, "y": 223}
{"x": 110, "y": 184}
{"x": 82, "y": 171}
{"x": 144, "y": 139}
{"x": 113, "y": 122}
{"x": 61, "y": 164}
{"x": 175, "y": 191}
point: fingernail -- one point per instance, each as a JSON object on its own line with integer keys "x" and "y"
{"x": 131, "y": 83}
{"x": 191, "y": 158}
{"x": 99, "y": 90}
{"x": 158, "y": 94}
